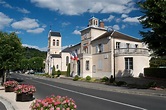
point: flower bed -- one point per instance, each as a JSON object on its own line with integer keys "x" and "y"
{"x": 10, "y": 83}
{"x": 54, "y": 103}
{"x": 28, "y": 89}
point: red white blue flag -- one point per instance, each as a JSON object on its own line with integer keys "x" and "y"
{"x": 74, "y": 56}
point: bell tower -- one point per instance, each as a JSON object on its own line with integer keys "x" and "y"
{"x": 94, "y": 22}
{"x": 54, "y": 42}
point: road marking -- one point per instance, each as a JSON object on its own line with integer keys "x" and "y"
{"x": 133, "y": 106}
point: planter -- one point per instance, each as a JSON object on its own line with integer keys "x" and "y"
{"x": 23, "y": 97}
{"x": 9, "y": 89}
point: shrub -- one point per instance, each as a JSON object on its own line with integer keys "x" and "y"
{"x": 155, "y": 72}
{"x": 76, "y": 77}
{"x": 88, "y": 78}
{"x": 104, "y": 79}
{"x": 58, "y": 73}
{"x": 120, "y": 83}
{"x": 68, "y": 70}
{"x": 53, "y": 71}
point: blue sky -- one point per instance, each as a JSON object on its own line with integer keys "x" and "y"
{"x": 32, "y": 19}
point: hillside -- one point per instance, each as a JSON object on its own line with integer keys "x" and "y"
{"x": 32, "y": 52}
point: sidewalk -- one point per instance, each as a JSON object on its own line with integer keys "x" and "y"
{"x": 8, "y": 99}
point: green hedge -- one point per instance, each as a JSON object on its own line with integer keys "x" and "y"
{"x": 155, "y": 72}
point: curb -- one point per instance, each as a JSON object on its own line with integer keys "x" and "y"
{"x": 7, "y": 103}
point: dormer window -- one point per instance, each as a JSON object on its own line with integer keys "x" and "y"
{"x": 117, "y": 45}
{"x": 99, "y": 48}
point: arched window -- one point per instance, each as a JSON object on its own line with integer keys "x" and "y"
{"x": 67, "y": 60}
{"x": 57, "y": 66}
{"x": 57, "y": 42}
{"x": 53, "y": 42}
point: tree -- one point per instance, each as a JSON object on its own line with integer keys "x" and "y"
{"x": 10, "y": 52}
{"x": 68, "y": 70}
{"x": 154, "y": 20}
{"x": 53, "y": 71}
{"x": 36, "y": 63}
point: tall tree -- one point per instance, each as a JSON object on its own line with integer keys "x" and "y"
{"x": 154, "y": 21}
{"x": 10, "y": 51}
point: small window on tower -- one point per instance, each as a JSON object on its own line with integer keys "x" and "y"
{"x": 53, "y": 42}
{"x": 57, "y": 43}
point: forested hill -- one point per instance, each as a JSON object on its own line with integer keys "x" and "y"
{"x": 32, "y": 52}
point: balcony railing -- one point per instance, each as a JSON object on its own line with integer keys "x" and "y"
{"x": 131, "y": 51}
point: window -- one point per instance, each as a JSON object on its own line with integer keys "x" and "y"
{"x": 53, "y": 42}
{"x": 117, "y": 45}
{"x": 99, "y": 48}
{"x": 87, "y": 65}
{"x": 94, "y": 68}
{"x": 67, "y": 60}
{"x": 136, "y": 45}
{"x": 57, "y": 66}
{"x": 57, "y": 42}
{"x": 129, "y": 63}
{"x": 96, "y": 22}
{"x": 99, "y": 64}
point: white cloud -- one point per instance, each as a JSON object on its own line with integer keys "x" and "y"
{"x": 131, "y": 20}
{"x": 64, "y": 24}
{"x": 116, "y": 27}
{"x": 118, "y": 20}
{"x": 123, "y": 26}
{"x": 124, "y": 16}
{"x": 36, "y": 31}
{"x": 36, "y": 47}
{"x": 77, "y": 7}
{"x": 25, "y": 24}
{"x": 22, "y": 10}
{"x": 30, "y": 25}
{"x": 4, "y": 20}
{"x": 77, "y": 32}
{"x": 109, "y": 19}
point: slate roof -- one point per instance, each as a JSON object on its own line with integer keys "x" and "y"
{"x": 66, "y": 49}
{"x": 57, "y": 34}
{"x": 56, "y": 55}
{"x": 118, "y": 35}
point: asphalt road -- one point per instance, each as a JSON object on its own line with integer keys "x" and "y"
{"x": 90, "y": 99}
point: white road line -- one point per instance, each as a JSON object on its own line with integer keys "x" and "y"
{"x": 92, "y": 96}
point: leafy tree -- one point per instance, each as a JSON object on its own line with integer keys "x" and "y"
{"x": 154, "y": 20}
{"x": 25, "y": 64}
{"x": 36, "y": 63}
{"x": 10, "y": 51}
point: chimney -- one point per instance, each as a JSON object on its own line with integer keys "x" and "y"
{"x": 101, "y": 24}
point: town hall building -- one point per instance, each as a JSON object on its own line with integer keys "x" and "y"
{"x": 101, "y": 52}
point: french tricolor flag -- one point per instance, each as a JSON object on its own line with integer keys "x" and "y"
{"x": 72, "y": 56}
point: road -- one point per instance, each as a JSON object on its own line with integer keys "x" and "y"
{"x": 91, "y": 99}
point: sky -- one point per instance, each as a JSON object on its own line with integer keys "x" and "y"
{"x": 32, "y": 19}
